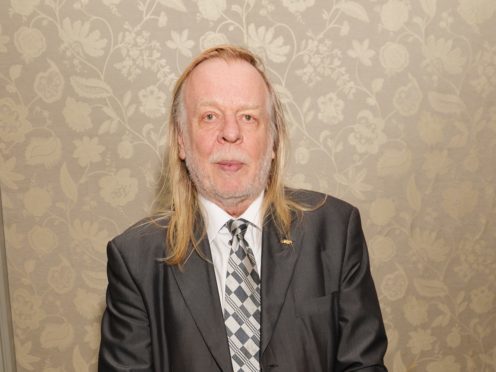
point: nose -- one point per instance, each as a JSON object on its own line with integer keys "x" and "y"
{"x": 230, "y": 131}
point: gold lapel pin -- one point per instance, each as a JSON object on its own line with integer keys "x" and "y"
{"x": 286, "y": 241}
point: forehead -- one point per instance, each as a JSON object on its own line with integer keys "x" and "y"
{"x": 226, "y": 82}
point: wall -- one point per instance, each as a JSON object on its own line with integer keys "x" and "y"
{"x": 391, "y": 106}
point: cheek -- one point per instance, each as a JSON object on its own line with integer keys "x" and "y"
{"x": 202, "y": 144}
{"x": 260, "y": 150}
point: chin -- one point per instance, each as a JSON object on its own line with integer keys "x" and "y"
{"x": 229, "y": 189}
{"x": 231, "y": 194}
{"x": 234, "y": 195}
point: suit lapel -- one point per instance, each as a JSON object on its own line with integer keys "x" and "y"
{"x": 278, "y": 260}
{"x": 199, "y": 289}
{"x": 198, "y": 286}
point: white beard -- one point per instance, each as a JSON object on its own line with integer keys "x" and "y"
{"x": 207, "y": 188}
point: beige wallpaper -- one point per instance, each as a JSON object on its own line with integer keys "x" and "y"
{"x": 391, "y": 105}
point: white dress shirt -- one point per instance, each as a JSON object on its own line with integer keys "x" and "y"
{"x": 219, "y": 236}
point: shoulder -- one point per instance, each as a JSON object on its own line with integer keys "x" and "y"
{"x": 323, "y": 214}
{"x": 144, "y": 239}
{"x": 319, "y": 204}
{"x": 333, "y": 225}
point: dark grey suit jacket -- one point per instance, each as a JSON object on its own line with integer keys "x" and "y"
{"x": 319, "y": 306}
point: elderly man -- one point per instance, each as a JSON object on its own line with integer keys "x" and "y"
{"x": 237, "y": 272}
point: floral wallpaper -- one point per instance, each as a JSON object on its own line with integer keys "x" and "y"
{"x": 390, "y": 104}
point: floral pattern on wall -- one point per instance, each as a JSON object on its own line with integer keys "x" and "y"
{"x": 390, "y": 105}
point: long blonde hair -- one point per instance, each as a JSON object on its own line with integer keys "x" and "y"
{"x": 178, "y": 203}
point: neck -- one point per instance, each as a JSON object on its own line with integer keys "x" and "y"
{"x": 235, "y": 206}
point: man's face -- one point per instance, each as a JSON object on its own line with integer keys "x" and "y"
{"x": 226, "y": 141}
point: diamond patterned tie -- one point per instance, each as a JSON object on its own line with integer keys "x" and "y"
{"x": 242, "y": 302}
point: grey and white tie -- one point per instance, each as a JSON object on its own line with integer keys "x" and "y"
{"x": 242, "y": 302}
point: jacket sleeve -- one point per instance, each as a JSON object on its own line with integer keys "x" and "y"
{"x": 125, "y": 333}
{"x": 362, "y": 337}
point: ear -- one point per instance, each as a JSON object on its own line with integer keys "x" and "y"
{"x": 180, "y": 142}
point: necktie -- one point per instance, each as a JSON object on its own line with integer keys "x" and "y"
{"x": 242, "y": 302}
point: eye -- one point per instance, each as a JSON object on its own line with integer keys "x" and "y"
{"x": 248, "y": 118}
{"x": 209, "y": 117}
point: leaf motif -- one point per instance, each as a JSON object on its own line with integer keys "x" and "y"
{"x": 78, "y": 361}
{"x": 413, "y": 195}
{"x": 371, "y": 101}
{"x": 90, "y": 88}
{"x": 461, "y": 307}
{"x": 460, "y": 297}
{"x": 24, "y": 356}
{"x": 398, "y": 365}
{"x": 354, "y": 10}
{"x": 154, "y": 137}
{"x": 105, "y": 127}
{"x": 131, "y": 109}
{"x": 324, "y": 135}
{"x": 127, "y": 98}
{"x": 114, "y": 125}
{"x": 174, "y": 4}
{"x": 110, "y": 112}
{"x": 458, "y": 141}
{"x": 441, "y": 321}
{"x": 444, "y": 318}
{"x": 147, "y": 128}
{"x": 445, "y": 103}
{"x": 477, "y": 119}
{"x": 306, "y": 104}
{"x": 345, "y": 29}
{"x": 95, "y": 279}
{"x": 341, "y": 179}
{"x": 15, "y": 71}
{"x": 283, "y": 93}
{"x": 309, "y": 116}
{"x": 67, "y": 183}
{"x": 429, "y": 7}
{"x": 430, "y": 288}
{"x": 377, "y": 85}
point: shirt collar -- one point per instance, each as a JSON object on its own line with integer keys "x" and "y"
{"x": 215, "y": 217}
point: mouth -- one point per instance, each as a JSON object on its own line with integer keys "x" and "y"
{"x": 230, "y": 165}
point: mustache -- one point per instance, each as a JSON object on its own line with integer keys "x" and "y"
{"x": 229, "y": 155}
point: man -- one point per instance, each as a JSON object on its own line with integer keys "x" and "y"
{"x": 237, "y": 272}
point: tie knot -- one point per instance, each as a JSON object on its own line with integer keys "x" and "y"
{"x": 237, "y": 227}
